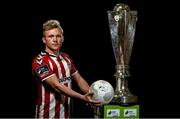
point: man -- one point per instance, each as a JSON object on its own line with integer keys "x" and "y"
{"x": 54, "y": 71}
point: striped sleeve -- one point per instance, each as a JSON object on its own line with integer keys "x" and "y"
{"x": 41, "y": 68}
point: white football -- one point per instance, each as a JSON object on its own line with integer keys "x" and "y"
{"x": 102, "y": 90}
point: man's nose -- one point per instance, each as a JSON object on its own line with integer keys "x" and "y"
{"x": 54, "y": 38}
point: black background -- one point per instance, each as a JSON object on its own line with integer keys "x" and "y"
{"x": 154, "y": 62}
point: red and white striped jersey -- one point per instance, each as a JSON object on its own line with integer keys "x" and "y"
{"x": 51, "y": 104}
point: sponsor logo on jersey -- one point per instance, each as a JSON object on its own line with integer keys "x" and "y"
{"x": 42, "y": 70}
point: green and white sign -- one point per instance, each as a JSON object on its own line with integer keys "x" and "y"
{"x": 119, "y": 111}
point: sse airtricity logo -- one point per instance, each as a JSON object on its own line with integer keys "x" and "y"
{"x": 113, "y": 113}
{"x": 130, "y": 112}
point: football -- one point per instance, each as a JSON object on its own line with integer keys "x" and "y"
{"x": 102, "y": 91}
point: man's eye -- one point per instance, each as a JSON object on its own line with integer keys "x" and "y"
{"x": 55, "y": 36}
{"x": 58, "y": 36}
{"x": 51, "y": 36}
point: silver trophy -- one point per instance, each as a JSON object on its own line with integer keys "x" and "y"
{"x": 122, "y": 23}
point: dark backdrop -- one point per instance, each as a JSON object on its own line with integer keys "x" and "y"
{"x": 153, "y": 65}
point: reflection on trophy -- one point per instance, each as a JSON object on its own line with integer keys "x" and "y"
{"x": 122, "y": 23}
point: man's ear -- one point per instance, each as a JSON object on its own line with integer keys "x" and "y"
{"x": 43, "y": 39}
{"x": 63, "y": 39}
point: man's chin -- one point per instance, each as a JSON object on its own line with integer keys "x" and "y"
{"x": 55, "y": 48}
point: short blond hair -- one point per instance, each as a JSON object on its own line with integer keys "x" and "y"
{"x": 50, "y": 24}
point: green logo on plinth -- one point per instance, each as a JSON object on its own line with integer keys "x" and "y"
{"x": 119, "y": 111}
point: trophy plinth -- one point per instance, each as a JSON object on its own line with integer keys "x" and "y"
{"x": 122, "y": 23}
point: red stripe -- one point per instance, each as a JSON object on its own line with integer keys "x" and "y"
{"x": 57, "y": 105}
{"x": 67, "y": 60}
{"x": 62, "y": 67}
{"x": 57, "y": 109}
{"x": 55, "y": 69}
{"x": 47, "y": 95}
{"x": 47, "y": 102}
{"x": 66, "y": 107}
{"x": 72, "y": 67}
{"x": 63, "y": 75}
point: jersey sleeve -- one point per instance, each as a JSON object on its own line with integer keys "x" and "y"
{"x": 73, "y": 69}
{"x": 41, "y": 68}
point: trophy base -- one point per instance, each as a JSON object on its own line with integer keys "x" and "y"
{"x": 124, "y": 100}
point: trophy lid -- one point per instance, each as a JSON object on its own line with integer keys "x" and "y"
{"x": 120, "y": 7}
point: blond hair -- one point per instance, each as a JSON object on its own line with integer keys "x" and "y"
{"x": 50, "y": 24}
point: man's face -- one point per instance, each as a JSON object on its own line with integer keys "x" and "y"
{"x": 53, "y": 39}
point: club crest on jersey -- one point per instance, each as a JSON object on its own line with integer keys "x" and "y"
{"x": 42, "y": 70}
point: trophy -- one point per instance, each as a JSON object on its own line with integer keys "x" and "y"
{"x": 122, "y": 24}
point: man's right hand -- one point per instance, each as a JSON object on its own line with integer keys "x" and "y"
{"x": 89, "y": 100}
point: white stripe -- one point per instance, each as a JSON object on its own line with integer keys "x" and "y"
{"x": 68, "y": 74}
{"x": 51, "y": 66}
{"x": 65, "y": 64}
{"x": 62, "y": 111}
{"x": 52, "y": 105}
{"x": 47, "y": 77}
{"x": 74, "y": 73}
{"x": 41, "y": 108}
{"x": 58, "y": 66}
{"x": 36, "y": 111}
